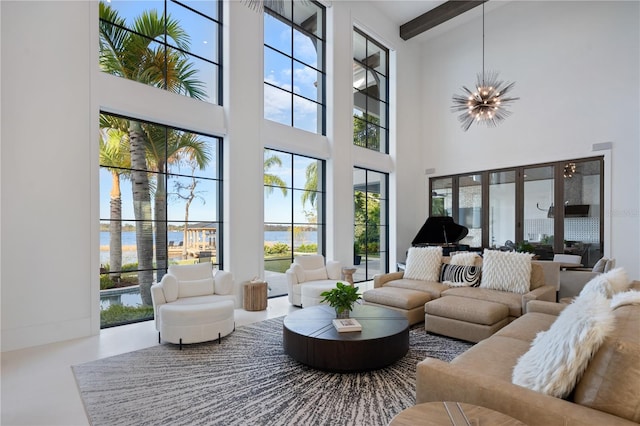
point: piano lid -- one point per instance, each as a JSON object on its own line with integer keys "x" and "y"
{"x": 440, "y": 230}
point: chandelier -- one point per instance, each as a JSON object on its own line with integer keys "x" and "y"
{"x": 569, "y": 170}
{"x": 487, "y": 102}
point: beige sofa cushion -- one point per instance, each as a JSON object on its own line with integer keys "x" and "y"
{"x": 513, "y": 301}
{"x": 527, "y": 330}
{"x": 398, "y": 298}
{"x": 434, "y": 288}
{"x": 494, "y": 357}
{"x": 601, "y": 386}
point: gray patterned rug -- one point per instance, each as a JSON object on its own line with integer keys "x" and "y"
{"x": 248, "y": 380}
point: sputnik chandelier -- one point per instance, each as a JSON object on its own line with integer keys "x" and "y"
{"x": 487, "y": 102}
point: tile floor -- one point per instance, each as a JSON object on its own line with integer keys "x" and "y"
{"x": 38, "y": 387}
{"x": 37, "y": 384}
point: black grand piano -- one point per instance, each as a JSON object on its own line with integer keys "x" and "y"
{"x": 441, "y": 231}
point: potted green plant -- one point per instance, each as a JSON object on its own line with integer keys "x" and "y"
{"x": 341, "y": 298}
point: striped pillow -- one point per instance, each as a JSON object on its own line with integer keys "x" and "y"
{"x": 460, "y": 275}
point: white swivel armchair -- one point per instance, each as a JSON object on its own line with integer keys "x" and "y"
{"x": 194, "y": 303}
{"x": 309, "y": 276}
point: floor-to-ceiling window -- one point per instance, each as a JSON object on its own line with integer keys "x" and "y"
{"x": 294, "y": 199}
{"x": 370, "y": 93}
{"x": 371, "y": 231}
{"x": 160, "y": 204}
{"x": 542, "y": 208}
{"x": 160, "y": 186}
{"x": 294, "y": 71}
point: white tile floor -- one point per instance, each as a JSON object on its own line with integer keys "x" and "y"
{"x": 38, "y": 387}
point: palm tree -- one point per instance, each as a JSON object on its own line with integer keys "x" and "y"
{"x": 137, "y": 56}
{"x": 272, "y": 181}
{"x": 310, "y": 193}
{"x": 166, "y": 147}
{"x": 114, "y": 155}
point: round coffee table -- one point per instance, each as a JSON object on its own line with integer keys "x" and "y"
{"x": 310, "y": 338}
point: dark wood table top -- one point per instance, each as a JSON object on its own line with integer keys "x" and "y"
{"x": 317, "y": 322}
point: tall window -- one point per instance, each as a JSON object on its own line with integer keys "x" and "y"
{"x": 370, "y": 93}
{"x": 294, "y": 198}
{"x": 167, "y": 44}
{"x": 543, "y": 208}
{"x": 370, "y": 233}
{"x": 294, "y": 73}
{"x": 160, "y": 204}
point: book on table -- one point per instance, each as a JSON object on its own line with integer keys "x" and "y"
{"x": 347, "y": 324}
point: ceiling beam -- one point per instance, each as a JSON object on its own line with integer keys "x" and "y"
{"x": 436, "y": 16}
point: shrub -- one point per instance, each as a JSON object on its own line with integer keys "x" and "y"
{"x": 277, "y": 248}
{"x": 105, "y": 282}
{"x": 120, "y": 314}
{"x": 308, "y": 248}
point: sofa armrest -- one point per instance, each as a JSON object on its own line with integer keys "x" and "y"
{"x": 572, "y": 282}
{"x": 380, "y": 279}
{"x": 546, "y": 292}
{"x": 544, "y": 307}
{"x": 440, "y": 381}
{"x": 334, "y": 269}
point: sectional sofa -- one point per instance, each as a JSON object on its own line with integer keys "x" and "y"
{"x": 607, "y": 392}
{"x": 467, "y": 310}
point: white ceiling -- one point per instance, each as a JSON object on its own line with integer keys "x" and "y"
{"x": 402, "y": 11}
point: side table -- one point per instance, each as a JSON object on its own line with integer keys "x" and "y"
{"x": 255, "y": 296}
{"x": 452, "y": 414}
{"x": 348, "y": 272}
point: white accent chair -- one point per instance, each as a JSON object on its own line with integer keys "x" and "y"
{"x": 309, "y": 276}
{"x": 194, "y": 303}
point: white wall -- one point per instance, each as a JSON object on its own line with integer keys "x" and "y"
{"x": 576, "y": 68}
{"x": 52, "y": 92}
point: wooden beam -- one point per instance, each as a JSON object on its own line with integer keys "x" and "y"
{"x": 436, "y": 16}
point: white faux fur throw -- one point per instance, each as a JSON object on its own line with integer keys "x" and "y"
{"x": 631, "y": 297}
{"x": 558, "y": 357}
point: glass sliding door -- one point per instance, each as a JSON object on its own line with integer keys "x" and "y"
{"x": 441, "y": 197}
{"x": 502, "y": 209}
{"x": 538, "y": 211}
{"x": 582, "y": 200}
{"x": 470, "y": 208}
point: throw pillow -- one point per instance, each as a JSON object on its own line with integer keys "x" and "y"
{"x": 611, "y": 264}
{"x": 316, "y": 274}
{"x": 600, "y": 264}
{"x": 203, "y": 287}
{"x": 559, "y": 356}
{"x": 460, "y": 275}
{"x": 423, "y": 263}
{"x": 506, "y": 271}
{"x": 608, "y": 284}
{"x": 461, "y": 258}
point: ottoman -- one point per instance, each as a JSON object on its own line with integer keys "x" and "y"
{"x": 310, "y": 293}
{"x": 406, "y": 301}
{"x": 464, "y": 318}
{"x": 194, "y": 323}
